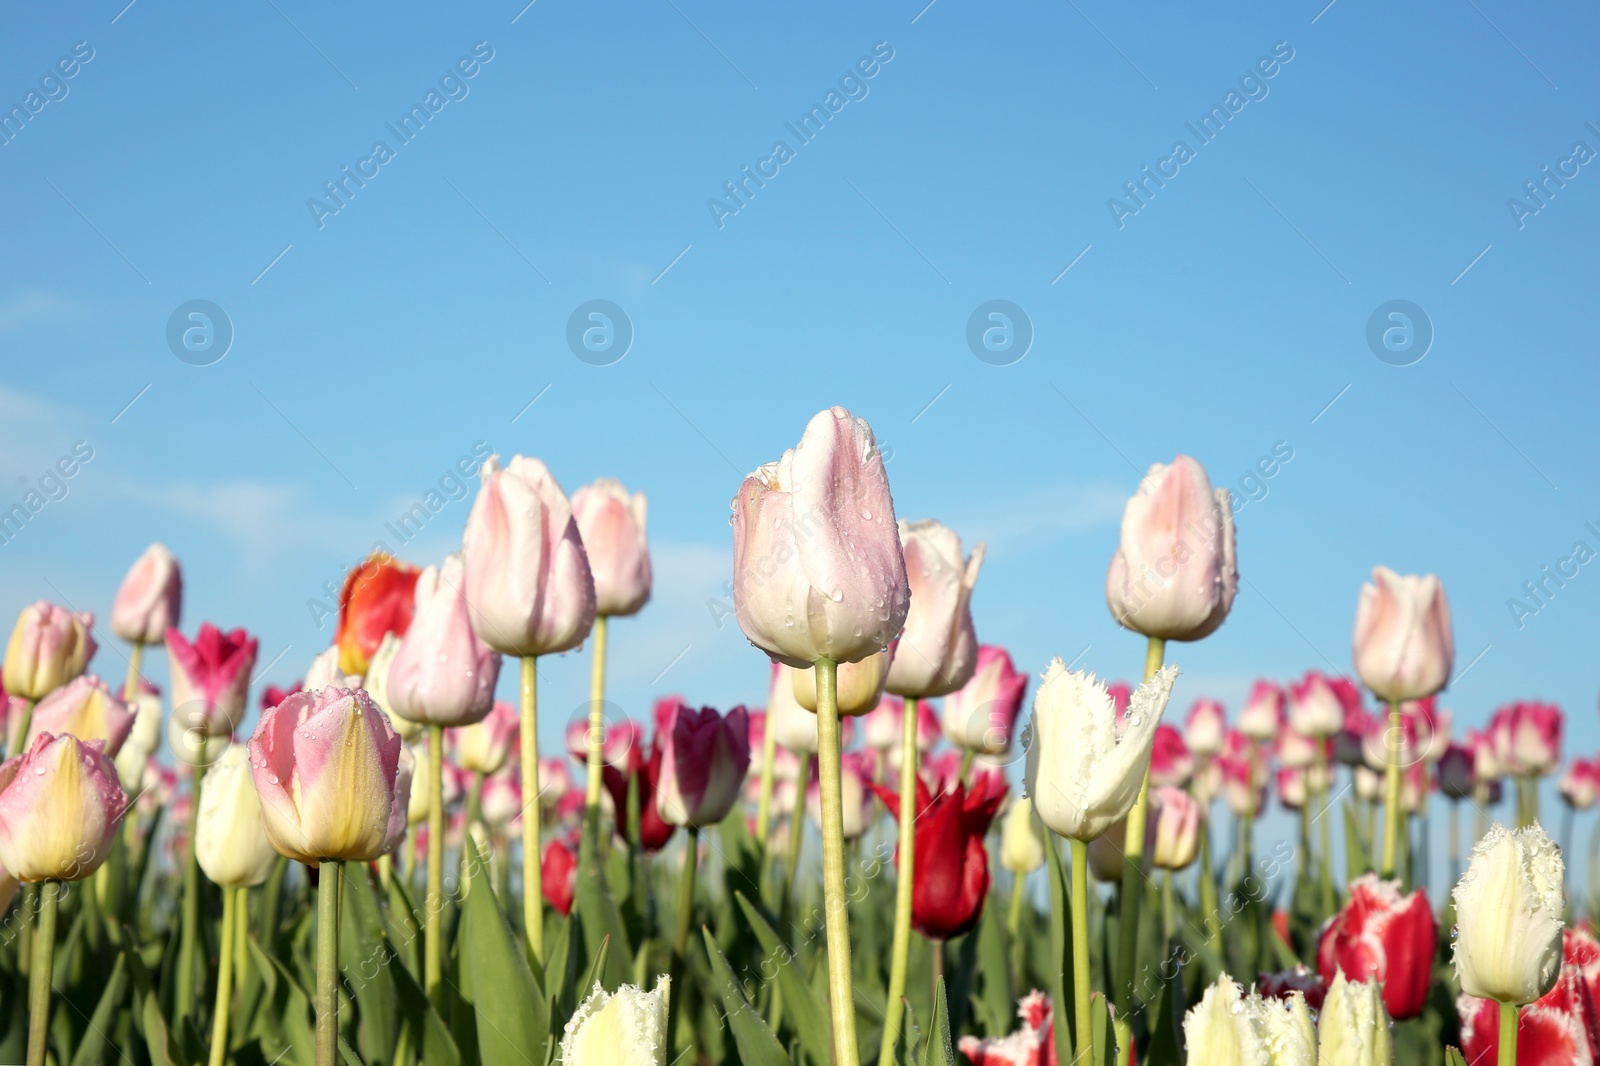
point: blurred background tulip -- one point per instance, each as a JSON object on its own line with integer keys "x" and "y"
{"x": 981, "y": 716}
{"x": 705, "y": 756}
{"x": 376, "y": 600}
{"x": 49, "y": 646}
{"x": 938, "y": 647}
{"x": 60, "y": 808}
{"x": 150, "y": 598}
{"x": 230, "y": 836}
{"x": 210, "y": 678}
{"x": 443, "y": 674}
{"x": 612, "y": 525}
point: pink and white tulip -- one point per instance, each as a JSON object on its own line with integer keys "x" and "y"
{"x": 443, "y": 674}
{"x": 705, "y": 756}
{"x": 49, "y": 646}
{"x": 612, "y": 525}
{"x": 1205, "y": 728}
{"x": 1263, "y": 716}
{"x": 1403, "y": 645}
{"x": 149, "y": 599}
{"x": 484, "y": 746}
{"x": 1315, "y": 709}
{"x": 60, "y": 808}
{"x": 981, "y": 716}
{"x": 938, "y": 646}
{"x": 86, "y": 708}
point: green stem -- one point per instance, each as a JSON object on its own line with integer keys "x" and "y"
{"x": 1391, "y": 792}
{"x": 433, "y": 916}
{"x": 532, "y": 897}
{"x": 680, "y": 935}
{"x": 597, "y": 719}
{"x": 328, "y": 874}
{"x": 900, "y": 949}
{"x": 769, "y": 756}
{"x": 841, "y": 988}
{"x": 189, "y": 932}
{"x": 1508, "y": 1034}
{"x": 1330, "y": 902}
{"x": 44, "y": 950}
{"x": 1208, "y": 890}
{"x": 1480, "y": 801}
{"x": 130, "y": 687}
{"x": 1133, "y": 875}
{"x": 1019, "y": 883}
{"x": 1169, "y": 924}
{"x": 1455, "y": 841}
{"x": 1085, "y": 1052}
{"x": 967, "y": 755}
{"x": 219, "y": 1017}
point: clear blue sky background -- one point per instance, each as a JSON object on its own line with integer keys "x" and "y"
{"x": 1222, "y": 318}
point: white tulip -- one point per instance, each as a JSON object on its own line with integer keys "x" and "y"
{"x": 1352, "y": 1027}
{"x": 230, "y": 837}
{"x": 1509, "y": 913}
{"x": 1228, "y": 1028}
{"x": 627, "y": 1027}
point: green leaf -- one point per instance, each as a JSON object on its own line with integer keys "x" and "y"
{"x": 1453, "y": 1057}
{"x": 1060, "y": 965}
{"x": 423, "y": 1027}
{"x": 285, "y": 1026}
{"x": 1102, "y": 1029}
{"x": 996, "y": 996}
{"x": 1356, "y": 860}
{"x": 92, "y": 1051}
{"x": 348, "y": 1054}
{"x": 495, "y": 980}
{"x": 596, "y": 968}
{"x": 757, "y": 1046}
{"x": 1166, "y": 1020}
{"x": 938, "y": 1050}
{"x": 597, "y": 910}
{"x": 365, "y": 957}
{"x": 808, "y": 1017}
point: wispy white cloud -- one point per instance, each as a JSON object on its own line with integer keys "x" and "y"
{"x": 31, "y": 307}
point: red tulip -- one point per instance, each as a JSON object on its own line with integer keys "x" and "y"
{"x": 1308, "y": 984}
{"x": 557, "y": 873}
{"x": 947, "y": 898}
{"x": 376, "y": 599}
{"x": 1562, "y": 1028}
{"x": 654, "y": 831}
{"x": 1032, "y": 1045}
{"x": 1383, "y": 935}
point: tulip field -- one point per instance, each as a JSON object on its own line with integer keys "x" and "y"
{"x": 904, "y": 848}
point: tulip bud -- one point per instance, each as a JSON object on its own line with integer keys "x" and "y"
{"x": 230, "y": 838}
{"x": 1262, "y": 717}
{"x": 627, "y": 1027}
{"x": 142, "y": 741}
{"x": 1022, "y": 840}
{"x": 1174, "y": 576}
{"x": 443, "y": 674}
{"x": 1205, "y": 728}
{"x": 1081, "y": 775}
{"x": 1352, "y": 1029}
{"x": 705, "y": 758}
{"x": 818, "y": 570}
{"x": 1175, "y": 816}
{"x": 981, "y": 715}
{"x": 1510, "y": 907}
{"x": 210, "y": 678}
{"x": 149, "y": 598}
{"x": 1170, "y": 761}
{"x": 1314, "y": 707}
{"x": 1534, "y": 730}
{"x": 938, "y": 646}
{"x": 1228, "y": 1028}
{"x": 484, "y": 746}
{"x": 859, "y": 684}
{"x": 1403, "y": 645}
{"x": 49, "y": 647}
{"x": 325, "y": 764}
{"x": 1382, "y": 935}
{"x": 60, "y": 807}
{"x": 947, "y": 894}
{"x": 85, "y": 708}
{"x": 325, "y": 672}
{"x": 528, "y": 582}
{"x": 377, "y": 685}
{"x": 421, "y": 786}
{"x": 1456, "y": 777}
{"x": 557, "y": 876}
{"x": 611, "y": 523}
{"x": 376, "y": 600}
{"x": 1107, "y": 852}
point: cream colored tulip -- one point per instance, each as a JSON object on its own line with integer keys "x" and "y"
{"x": 1509, "y": 913}
{"x": 859, "y": 684}
{"x": 1021, "y": 838}
{"x": 1352, "y": 1028}
{"x": 1228, "y": 1028}
{"x": 230, "y": 839}
{"x": 627, "y": 1027}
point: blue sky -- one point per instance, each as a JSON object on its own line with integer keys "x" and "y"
{"x": 376, "y": 345}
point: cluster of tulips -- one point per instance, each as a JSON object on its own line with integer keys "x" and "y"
{"x": 385, "y": 870}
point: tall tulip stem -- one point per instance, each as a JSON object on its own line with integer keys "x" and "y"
{"x": 680, "y": 935}
{"x": 219, "y": 1016}
{"x": 433, "y": 917}
{"x": 1508, "y": 1025}
{"x": 841, "y": 986}
{"x": 894, "y": 1006}
{"x": 189, "y": 927}
{"x": 597, "y": 726}
{"x": 1324, "y": 830}
{"x": 1080, "y": 953}
{"x": 1133, "y": 875}
{"x": 44, "y": 953}
{"x": 1391, "y": 792}
{"x": 532, "y": 896}
{"x": 769, "y": 775}
{"x": 328, "y": 875}
{"x": 130, "y": 687}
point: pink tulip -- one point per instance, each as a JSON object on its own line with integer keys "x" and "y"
{"x": 1031, "y": 1045}
{"x": 1298, "y": 751}
{"x": 501, "y": 801}
{"x": 325, "y": 763}
{"x": 1205, "y": 728}
{"x": 938, "y": 646}
{"x": 855, "y": 781}
{"x": 49, "y": 646}
{"x": 981, "y": 716}
{"x": 818, "y": 570}
{"x": 60, "y": 808}
{"x": 404, "y": 774}
{"x": 1580, "y": 785}
{"x": 1486, "y": 765}
{"x": 1295, "y": 781}
{"x": 1175, "y": 816}
{"x": 484, "y": 746}
{"x": 611, "y": 523}
{"x": 927, "y": 732}
{"x": 149, "y": 598}
{"x": 528, "y": 581}
{"x": 1244, "y": 776}
{"x": 705, "y": 756}
{"x": 622, "y": 744}
{"x": 1262, "y": 717}
{"x": 1403, "y": 645}
{"x": 1535, "y": 737}
{"x": 443, "y": 673}
{"x": 1121, "y": 694}
{"x": 85, "y": 708}
{"x": 941, "y": 772}
{"x": 555, "y": 782}
{"x": 210, "y": 678}
{"x": 1170, "y": 760}
{"x": 1315, "y": 709}
{"x": 1174, "y": 574}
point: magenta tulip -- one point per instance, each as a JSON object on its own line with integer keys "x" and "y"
{"x": 705, "y": 756}
{"x": 210, "y": 678}
{"x": 981, "y": 716}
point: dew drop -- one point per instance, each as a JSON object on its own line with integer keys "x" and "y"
{"x": 837, "y": 595}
